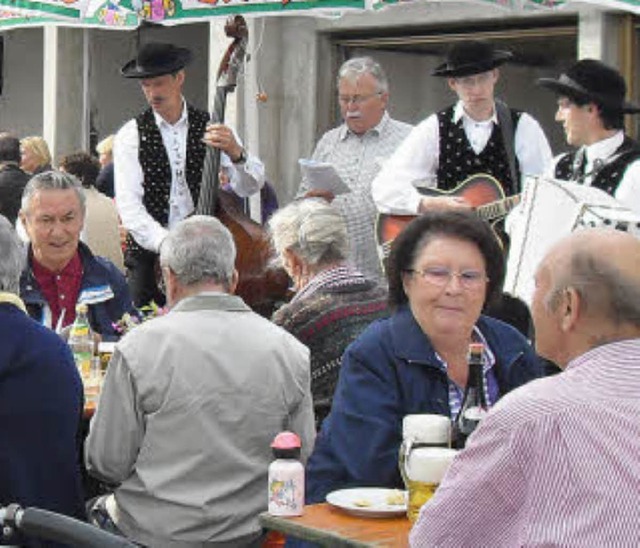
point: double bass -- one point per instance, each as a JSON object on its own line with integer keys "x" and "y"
{"x": 261, "y": 285}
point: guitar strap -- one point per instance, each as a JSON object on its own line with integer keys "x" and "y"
{"x": 508, "y": 137}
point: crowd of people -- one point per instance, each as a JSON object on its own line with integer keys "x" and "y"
{"x": 180, "y": 439}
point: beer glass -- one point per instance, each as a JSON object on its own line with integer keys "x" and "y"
{"x": 424, "y": 457}
{"x": 424, "y": 469}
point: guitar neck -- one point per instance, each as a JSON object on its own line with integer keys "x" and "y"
{"x": 499, "y": 208}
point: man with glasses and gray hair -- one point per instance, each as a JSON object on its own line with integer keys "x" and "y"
{"x": 357, "y": 148}
{"x": 475, "y": 135}
{"x": 188, "y": 409}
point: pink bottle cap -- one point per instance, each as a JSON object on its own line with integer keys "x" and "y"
{"x": 286, "y": 440}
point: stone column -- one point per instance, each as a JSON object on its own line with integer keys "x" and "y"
{"x": 65, "y": 109}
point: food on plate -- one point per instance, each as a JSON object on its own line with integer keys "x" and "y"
{"x": 395, "y": 498}
{"x": 362, "y": 503}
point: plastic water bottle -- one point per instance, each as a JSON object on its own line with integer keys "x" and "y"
{"x": 81, "y": 341}
{"x": 286, "y": 477}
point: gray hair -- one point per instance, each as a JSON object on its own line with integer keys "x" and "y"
{"x": 358, "y": 66}
{"x": 12, "y": 258}
{"x": 52, "y": 180}
{"x": 312, "y": 228}
{"x": 604, "y": 291}
{"x": 199, "y": 249}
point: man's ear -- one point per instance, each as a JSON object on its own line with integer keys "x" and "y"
{"x": 234, "y": 281}
{"x": 571, "y": 309}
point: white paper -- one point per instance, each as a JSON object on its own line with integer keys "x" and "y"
{"x": 322, "y": 176}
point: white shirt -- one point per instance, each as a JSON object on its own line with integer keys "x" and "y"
{"x": 245, "y": 179}
{"x": 416, "y": 159}
{"x": 628, "y": 191}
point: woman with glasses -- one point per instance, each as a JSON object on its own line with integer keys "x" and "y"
{"x": 443, "y": 269}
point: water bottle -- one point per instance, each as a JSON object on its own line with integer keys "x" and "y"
{"x": 286, "y": 476}
{"x": 81, "y": 341}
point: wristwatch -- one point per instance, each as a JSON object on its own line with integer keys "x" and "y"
{"x": 242, "y": 158}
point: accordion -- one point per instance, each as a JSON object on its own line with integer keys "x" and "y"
{"x": 550, "y": 210}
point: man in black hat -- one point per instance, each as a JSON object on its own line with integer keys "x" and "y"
{"x": 158, "y": 159}
{"x": 591, "y": 108}
{"x": 476, "y": 135}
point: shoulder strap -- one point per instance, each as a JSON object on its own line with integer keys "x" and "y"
{"x": 508, "y": 136}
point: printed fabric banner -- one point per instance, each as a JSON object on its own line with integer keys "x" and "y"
{"x": 130, "y": 13}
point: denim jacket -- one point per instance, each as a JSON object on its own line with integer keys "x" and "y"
{"x": 391, "y": 371}
{"x": 103, "y": 288}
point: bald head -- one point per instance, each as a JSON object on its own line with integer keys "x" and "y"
{"x": 587, "y": 293}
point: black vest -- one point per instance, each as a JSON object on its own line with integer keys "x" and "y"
{"x": 606, "y": 178}
{"x": 156, "y": 169}
{"x": 458, "y": 160}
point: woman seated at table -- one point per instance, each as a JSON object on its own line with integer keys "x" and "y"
{"x": 443, "y": 269}
{"x": 334, "y": 302}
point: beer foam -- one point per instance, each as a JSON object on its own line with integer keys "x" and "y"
{"x": 432, "y": 429}
{"x": 429, "y": 464}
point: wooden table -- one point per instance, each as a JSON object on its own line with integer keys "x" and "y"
{"x": 329, "y": 526}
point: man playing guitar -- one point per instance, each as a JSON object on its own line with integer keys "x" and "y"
{"x": 476, "y": 135}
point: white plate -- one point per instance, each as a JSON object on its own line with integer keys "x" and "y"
{"x": 346, "y": 499}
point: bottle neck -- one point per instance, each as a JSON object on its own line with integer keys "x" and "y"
{"x": 475, "y": 384}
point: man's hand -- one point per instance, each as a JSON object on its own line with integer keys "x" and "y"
{"x": 221, "y": 136}
{"x": 316, "y": 193}
{"x": 429, "y": 203}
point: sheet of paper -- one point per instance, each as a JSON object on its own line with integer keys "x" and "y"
{"x": 322, "y": 176}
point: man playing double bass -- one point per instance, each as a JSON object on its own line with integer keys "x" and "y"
{"x": 158, "y": 159}
{"x": 475, "y": 135}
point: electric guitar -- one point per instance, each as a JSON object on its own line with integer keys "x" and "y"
{"x": 482, "y": 191}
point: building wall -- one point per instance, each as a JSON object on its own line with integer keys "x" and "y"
{"x": 21, "y": 110}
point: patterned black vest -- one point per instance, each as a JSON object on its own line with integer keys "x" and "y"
{"x": 609, "y": 175}
{"x": 156, "y": 169}
{"x": 458, "y": 160}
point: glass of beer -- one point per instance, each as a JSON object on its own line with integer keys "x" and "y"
{"x": 425, "y": 468}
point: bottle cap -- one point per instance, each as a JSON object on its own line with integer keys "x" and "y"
{"x": 476, "y": 348}
{"x": 82, "y": 308}
{"x": 286, "y": 440}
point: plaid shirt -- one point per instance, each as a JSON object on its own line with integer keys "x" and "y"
{"x": 358, "y": 158}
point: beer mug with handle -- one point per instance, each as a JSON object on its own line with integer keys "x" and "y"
{"x": 424, "y": 457}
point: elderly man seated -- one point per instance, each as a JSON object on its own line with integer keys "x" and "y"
{"x": 189, "y": 408}
{"x": 40, "y": 403}
{"x": 60, "y": 270}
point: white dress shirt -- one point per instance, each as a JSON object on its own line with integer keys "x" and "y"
{"x": 245, "y": 179}
{"x": 628, "y": 191}
{"x": 416, "y": 159}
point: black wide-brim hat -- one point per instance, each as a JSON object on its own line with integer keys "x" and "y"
{"x": 592, "y": 81}
{"x": 156, "y": 59}
{"x": 471, "y": 57}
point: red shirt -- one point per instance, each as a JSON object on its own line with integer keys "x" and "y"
{"x": 60, "y": 289}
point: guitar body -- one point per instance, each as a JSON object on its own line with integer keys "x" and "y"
{"x": 482, "y": 191}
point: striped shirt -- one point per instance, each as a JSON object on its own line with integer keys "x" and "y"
{"x": 358, "y": 158}
{"x": 555, "y": 463}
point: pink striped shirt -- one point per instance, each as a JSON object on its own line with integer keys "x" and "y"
{"x": 555, "y": 463}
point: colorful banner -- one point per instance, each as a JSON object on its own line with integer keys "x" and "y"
{"x": 129, "y": 13}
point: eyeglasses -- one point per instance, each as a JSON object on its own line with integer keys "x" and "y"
{"x": 440, "y": 276}
{"x": 469, "y": 81}
{"x": 357, "y": 99}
